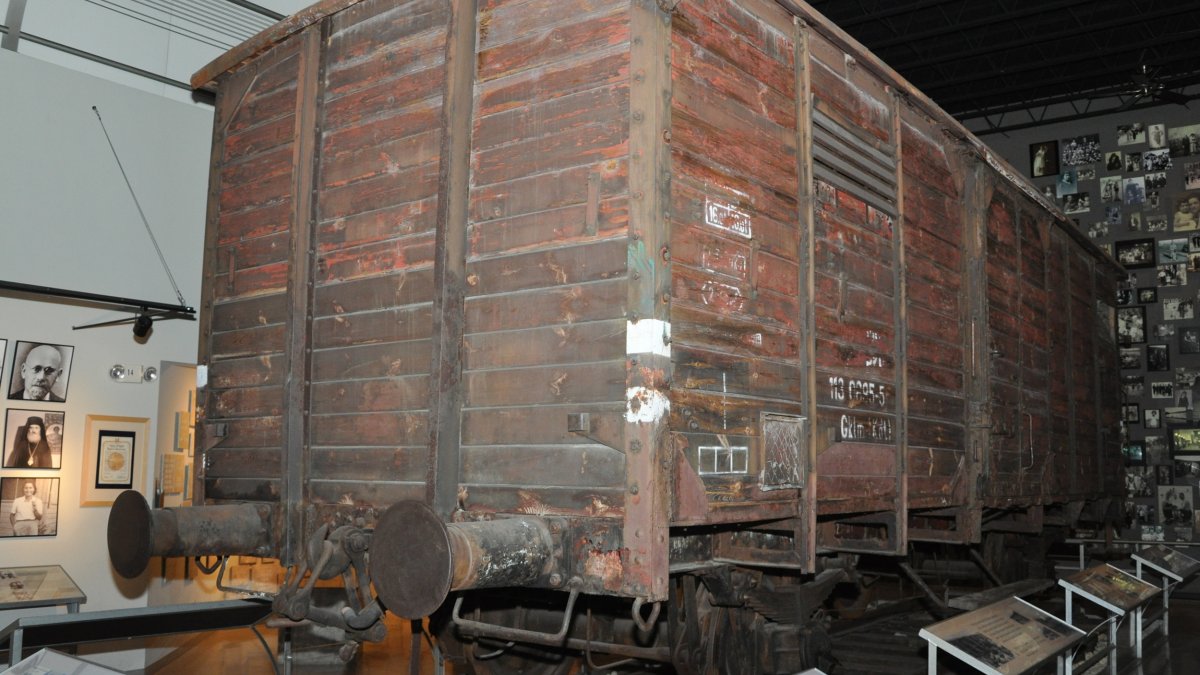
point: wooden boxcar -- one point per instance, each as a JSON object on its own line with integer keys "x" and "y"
{"x": 686, "y": 302}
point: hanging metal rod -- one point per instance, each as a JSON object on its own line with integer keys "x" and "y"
{"x": 168, "y": 310}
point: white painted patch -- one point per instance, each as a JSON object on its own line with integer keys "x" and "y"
{"x": 648, "y": 336}
{"x": 718, "y": 459}
{"x": 644, "y": 405}
{"x": 201, "y": 377}
{"x": 728, "y": 218}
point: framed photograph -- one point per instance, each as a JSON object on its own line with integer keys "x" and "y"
{"x": 1125, "y": 296}
{"x": 1162, "y": 390}
{"x": 1162, "y": 474}
{"x": 1189, "y": 339}
{"x": 1174, "y": 274}
{"x": 1134, "y": 453}
{"x": 1157, "y": 136}
{"x": 1185, "y": 443}
{"x": 1130, "y": 134}
{"x": 1178, "y": 309}
{"x": 1156, "y": 449}
{"x": 1158, "y": 358}
{"x": 1156, "y": 161}
{"x": 1175, "y": 504}
{"x": 32, "y": 506}
{"x": 1184, "y": 141}
{"x": 1147, "y": 296}
{"x": 1068, "y": 184}
{"x": 1079, "y": 202}
{"x": 1131, "y": 325}
{"x": 40, "y": 372}
{"x": 1173, "y": 250}
{"x": 1081, "y": 150}
{"x": 1131, "y": 413}
{"x": 1186, "y": 211}
{"x": 33, "y": 439}
{"x": 114, "y": 457}
{"x": 1153, "y": 418}
{"x": 1133, "y": 386}
{"x": 1134, "y": 253}
{"x": 1134, "y": 190}
{"x": 1131, "y": 358}
{"x": 1043, "y": 159}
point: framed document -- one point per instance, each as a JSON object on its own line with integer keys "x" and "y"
{"x": 114, "y": 457}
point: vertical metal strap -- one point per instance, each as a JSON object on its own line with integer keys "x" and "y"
{"x": 900, "y": 294}
{"x": 450, "y": 262}
{"x": 806, "y": 535}
{"x": 13, "y": 19}
{"x": 305, "y": 159}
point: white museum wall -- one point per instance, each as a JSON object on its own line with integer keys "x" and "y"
{"x": 67, "y": 221}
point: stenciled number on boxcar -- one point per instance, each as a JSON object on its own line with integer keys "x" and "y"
{"x": 727, "y": 218}
{"x": 717, "y": 460}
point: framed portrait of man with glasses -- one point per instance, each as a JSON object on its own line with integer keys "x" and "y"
{"x": 40, "y": 372}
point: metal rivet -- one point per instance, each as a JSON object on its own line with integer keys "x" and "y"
{"x": 633, "y": 489}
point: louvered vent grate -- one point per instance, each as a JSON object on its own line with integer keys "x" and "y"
{"x": 850, "y": 163}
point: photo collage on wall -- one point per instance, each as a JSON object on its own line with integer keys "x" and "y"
{"x": 1135, "y": 191}
{"x": 36, "y": 375}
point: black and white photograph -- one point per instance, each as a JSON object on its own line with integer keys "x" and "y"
{"x": 1133, "y": 386}
{"x": 1043, "y": 159}
{"x": 1134, "y": 253}
{"x": 1156, "y": 136}
{"x": 1157, "y": 451}
{"x": 1112, "y": 214}
{"x": 1172, "y": 275}
{"x": 1131, "y": 134}
{"x": 1147, "y": 296}
{"x": 1187, "y": 471}
{"x": 1153, "y": 533}
{"x": 1153, "y": 198}
{"x": 1187, "y": 212}
{"x": 1067, "y": 183}
{"x": 1081, "y": 150}
{"x": 1184, "y": 141}
{"x": 1152, "y": 418}
{"x": 1098, "y": 230}
{"x": 1114, "y": 161}
{"x": 1133, "y": 162}
{"x": 1186, "y": 377}
{"x": 1175, "y": 504}
{"x": 1131, "y": 358}
{"x": 1156, "y": 223}
{"x": 1156, "y": 160}
{"x": 1191, "y": 176}
{"x": 1189, "y": 339}
{"x": 40, "y": 372}
{"x": 1158, "y": 358}
{"x": 1134, "y": 191}
{"x": 1163, "y": 474}
{"x": 1110, "y": 189}
{"x": 1164, "y": 330}
{"x": 1162, "y": 390}
{"x": 31, "y": 504}
{"x": 1178, "y": 309}
{"x": 33, "y": 439}
{"x": 1125, "y": 296}
{"x": 1173, "y": 250}
{"x": 1156, "y": 180}
{"x": 1135, "y": 221}
{"x": 1085, "y": 173}
{"x": 1193, "y": 264}
{"x": 1131, "y": 325}
{"x": 1131, "y": 413}
{"x": 1076, "y": 203}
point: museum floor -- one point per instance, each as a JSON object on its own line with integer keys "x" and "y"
{"x": 239, "y": 651}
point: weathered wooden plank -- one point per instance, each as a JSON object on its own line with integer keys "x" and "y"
{"x": 699, "y": 411}
{"x": 241, "y": 489}
{"x": 249, "y": 313}
{"x": 577, "y": 343}
{"x": 242, "y": 463}
{"x": 725, "y": 297}
{"x": 247, "y": 254}
{"x": 388, "y": 190}
{"x": 605, "y": 105}
{"x": 261, "y": 138}
{"x": 393, "y": 359}
{"x": 591, "y": 502}
{"x": 716, "y": 372}
{"x": 856, "y": 459}
{"x": 551, "y": 385}
{"x": 356, "y": 157}
{"x": 388, "y": 464}
{"x": 553, "y": 44}
{"x": 233, "y": 228}
{"x": 376, "y": 259}
{"x": 377, "y": 395}
{"x": 389, "y": 325}
{"x": 267, "y": 339}
{"x": 252, "y": 432}
{"x": 561, "y": 466}
{"x": 705, "y": 329}
{"x": 564, "y": 266}
{"x": 545, "y": 307}
{"x": 534, "y": 425}
{"x": 253, "y": 371}
{"x": 700, "y": 187}
{"x": 765, "y": 53}
{"x": 559, "y": 226}
{"x": 246, "y": 402}
{"x": 365, "y": 494}
{"x": 405, "y": 287}
{"x": 370, "y": 429}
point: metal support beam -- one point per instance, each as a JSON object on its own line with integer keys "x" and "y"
{"x": 12, "y": 24}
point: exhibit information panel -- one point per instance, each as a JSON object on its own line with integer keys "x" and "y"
{"x": 1010, "y": 636}
{"x": 1168, "y": 561}
{"x": 1110, "y": 587}
{"x": 38, "y": 587}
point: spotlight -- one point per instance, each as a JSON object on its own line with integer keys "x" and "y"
{"x": 142, "y": 326}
